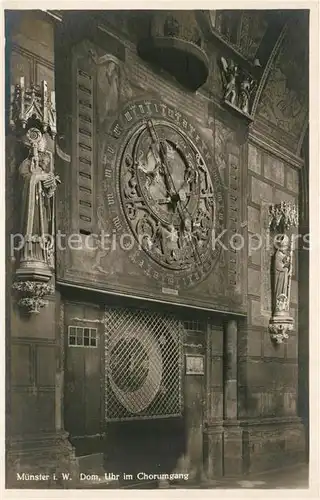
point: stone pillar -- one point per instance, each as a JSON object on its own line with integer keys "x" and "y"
{"x": 232, "y": 436}
{"x": 191, "y": 462}
{"x": 36, "y": 440}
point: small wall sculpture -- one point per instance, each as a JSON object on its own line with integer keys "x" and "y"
{"x": 282, "y": 217}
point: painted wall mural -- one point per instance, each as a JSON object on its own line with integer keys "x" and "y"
{"x": 284, "y": 100}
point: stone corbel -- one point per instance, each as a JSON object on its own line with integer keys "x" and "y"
{"x": 33, "y": 123}
{"x": 282, "y": 217}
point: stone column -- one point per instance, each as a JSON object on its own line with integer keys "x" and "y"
{"x": 191, "y": 462}
{"x": 36, "y": 441}
{"x": 230, "y": 371}
{"x": 232, "y": 460}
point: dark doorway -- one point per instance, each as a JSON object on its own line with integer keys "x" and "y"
{"x": 150, "y": 446}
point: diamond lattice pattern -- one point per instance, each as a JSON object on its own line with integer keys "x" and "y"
{"x": 143, "y": 364}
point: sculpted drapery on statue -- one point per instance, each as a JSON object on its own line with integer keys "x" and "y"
{"x": 282, "y": 268}
{"x": 112, "y": 83}
{"x": 283, "y": 216}
{"x": 33, "y": 121}
{"x": 38, "y": 188}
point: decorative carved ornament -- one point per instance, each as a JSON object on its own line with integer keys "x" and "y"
{"x": 283, "y": 216}
{"x": 31, "y": 294}
{"x": 163, "y": 189}
{"x": 238, "y": 88}
{"x": 33, "y": 120}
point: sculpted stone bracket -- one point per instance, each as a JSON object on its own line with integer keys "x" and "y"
{"x": 238, "y": 88}
{"x": 33, "y": 122}
{"x": 30, "y": 294}
{"x": 282, "y": 217}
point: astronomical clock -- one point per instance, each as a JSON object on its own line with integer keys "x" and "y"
{"x": 163, "y": 194}
{"x": 145, "y": 175}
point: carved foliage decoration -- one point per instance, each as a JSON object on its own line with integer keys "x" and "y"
{"x": 283, "y": 216}
{"x": 33, "y": 121}
{"x": 31, "y": 294}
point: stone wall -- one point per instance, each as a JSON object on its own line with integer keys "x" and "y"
{"x": 268, "y": 372}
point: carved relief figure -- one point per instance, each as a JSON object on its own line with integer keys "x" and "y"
{"x": 238, "y": 86}
{"x": 112, "y": 83}
{"x": 39, "y": 185}
{"x": 222, "y": 136}
{"x": 229, "y": 75}
{"x": 246, "y": 88}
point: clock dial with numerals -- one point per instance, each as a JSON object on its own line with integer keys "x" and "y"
{"x": 162, "y": 186}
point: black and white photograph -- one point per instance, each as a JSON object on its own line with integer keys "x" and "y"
{"x": 157, "y": 229}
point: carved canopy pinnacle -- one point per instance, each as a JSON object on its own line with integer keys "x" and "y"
{"x": 33, "y": 104}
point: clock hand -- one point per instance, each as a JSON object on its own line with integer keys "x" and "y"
{"x": 159, "y": 152}
{"x": 162, "y": 153}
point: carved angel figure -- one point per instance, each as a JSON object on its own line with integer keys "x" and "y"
{"x": 282, "y": 265}
{"x": 229, "y": 78}
{"x": 112, "y": 83}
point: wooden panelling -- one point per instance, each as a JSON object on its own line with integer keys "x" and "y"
{"x": 75, "y": 392}
{"x": 83, "y": 373}
{"x": 92, "y": 392}
{"x": 37, "y": 326}
{"x": 32, "y": 412}
{"x": 46, "y": 365}
{"x": 21, "y": 365}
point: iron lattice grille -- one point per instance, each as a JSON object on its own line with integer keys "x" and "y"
{"x": 143, "y": 364}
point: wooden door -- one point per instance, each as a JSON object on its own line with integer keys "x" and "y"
{"x": 82, "y": 399}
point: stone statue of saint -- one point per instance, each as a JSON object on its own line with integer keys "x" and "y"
{"x": 282, "y": 265}
{"x": 37, "y": 206}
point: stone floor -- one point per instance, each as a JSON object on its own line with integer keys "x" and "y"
{"x": 296, "y": 477}
{"x": 292, "y": 478}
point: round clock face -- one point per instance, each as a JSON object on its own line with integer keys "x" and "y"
{"x": 167, "y": 195}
